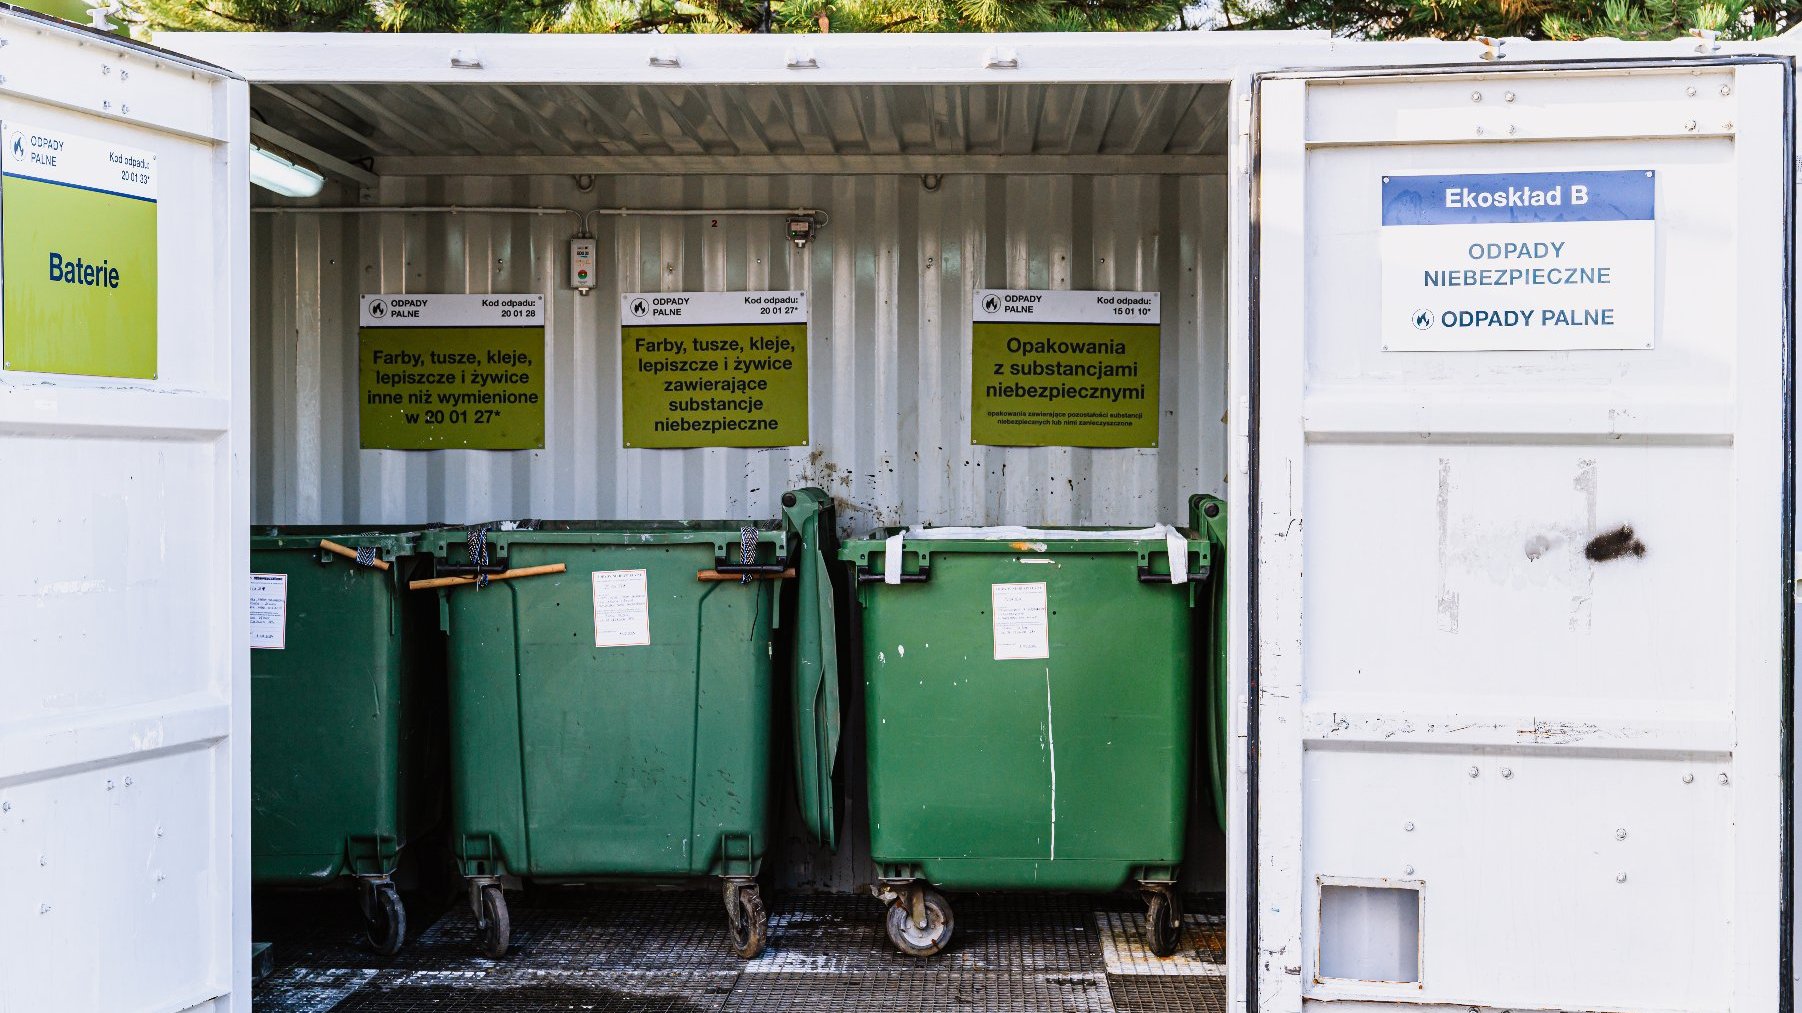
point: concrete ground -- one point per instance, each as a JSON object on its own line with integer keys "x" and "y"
{"x": 590, "y": 949}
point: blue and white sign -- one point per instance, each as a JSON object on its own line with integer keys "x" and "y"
{"x": 1518, "y": 261}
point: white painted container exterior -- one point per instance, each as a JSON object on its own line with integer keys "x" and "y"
{"x": 124, "y": 788}
{"x": 1347, "y": 448}
{"x": 1574, "y": 766}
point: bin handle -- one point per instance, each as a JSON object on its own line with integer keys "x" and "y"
{"x": 469, "y": 571}
{"x": 1148, "y": 577}
{"x": 864, "y": 576}
{"x": 524, "y": 571}
{"x": 751, "y": 569}
{"x": 717, "y": 574}
{"x": 349, "y": 553}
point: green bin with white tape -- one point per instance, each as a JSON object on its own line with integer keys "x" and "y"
{"x": 1053, "y": 671}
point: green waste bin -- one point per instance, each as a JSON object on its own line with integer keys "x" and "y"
{"x": 613, "y": 720}
{"x": 1052, "y": 671}
{"x": 343, "y": 725}
{"x": 1207, "y": 514}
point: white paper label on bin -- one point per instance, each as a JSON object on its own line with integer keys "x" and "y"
{"x": 622, "y": 609}
{"x": 1022, "y": 623}
{"x": 269, "y": 611}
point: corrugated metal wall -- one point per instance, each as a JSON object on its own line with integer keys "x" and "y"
{"x": 890, "y": 281}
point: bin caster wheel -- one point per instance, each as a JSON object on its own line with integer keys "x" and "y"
{"x": 495, "y": 928}
{"x": 925, "y": 935}
{"x": 746, "y": 920}
{"x": 1163, "y": 923}
{"x": 385, "y": 919}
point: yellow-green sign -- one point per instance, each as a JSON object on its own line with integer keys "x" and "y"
{"x": 714, "y": 369}
{"x": 440, "y": 372}
{"x": 78, "y": 235}
{"x": 1064, "y": 369}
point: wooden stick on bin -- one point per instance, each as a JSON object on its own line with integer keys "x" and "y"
{"x": 348, "y": 553}
{"x": 788, "y": 574}
{"x": 524, "y": 571}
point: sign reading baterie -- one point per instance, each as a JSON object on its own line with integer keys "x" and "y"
{"x": 1064, "y": 369}
{"x": 451, "y": 371}
{"x": 713, "y": 369}
{"x": 80, "y": 256}
{"x": 1518, "y": 261}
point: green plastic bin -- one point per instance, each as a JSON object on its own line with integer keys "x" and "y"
{"x": 613, "y": 721}
{"x": 1208, "y": 514}
{"x": 1052, "y": 671}
{"x": 343, "y": 728}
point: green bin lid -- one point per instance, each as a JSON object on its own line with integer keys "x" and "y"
{"x": 722, "y": 534}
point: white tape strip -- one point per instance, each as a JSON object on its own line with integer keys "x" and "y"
{"x": 1016, "y": 533}
{"x": 891, "y": 559}
{"x": 1178, "y": 547}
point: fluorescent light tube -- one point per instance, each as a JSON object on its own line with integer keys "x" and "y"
{"x": 275, "y": 173}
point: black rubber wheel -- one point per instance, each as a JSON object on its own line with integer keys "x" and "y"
{"x": 913, "y": 940}
{"x": 1163, "y": 924}
{"x": 497, "y": 928}
{"x": 385, "y": 923}
{"x": 750, "y": 932}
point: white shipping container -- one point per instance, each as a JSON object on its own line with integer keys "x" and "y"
{"x": 124, "y": 765}
{"x": 1512, "y": 591}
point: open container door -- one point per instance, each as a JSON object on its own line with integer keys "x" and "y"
{"x": 1521, "y": 537}
{"x": 124, "y": 424}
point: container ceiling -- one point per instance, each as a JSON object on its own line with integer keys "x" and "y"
{"x": 490, "y": 127}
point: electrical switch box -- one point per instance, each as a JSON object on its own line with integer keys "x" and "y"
{"x": 581, "y": 264}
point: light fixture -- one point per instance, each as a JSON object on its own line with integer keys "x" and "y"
{"x": 274, "y": 173}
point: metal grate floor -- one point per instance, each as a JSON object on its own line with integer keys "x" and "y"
{"x": 585, "y": 949}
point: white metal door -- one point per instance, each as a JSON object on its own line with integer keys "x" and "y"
{"x": 124, "y": 671}
{"x": 1520, "y": 606}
